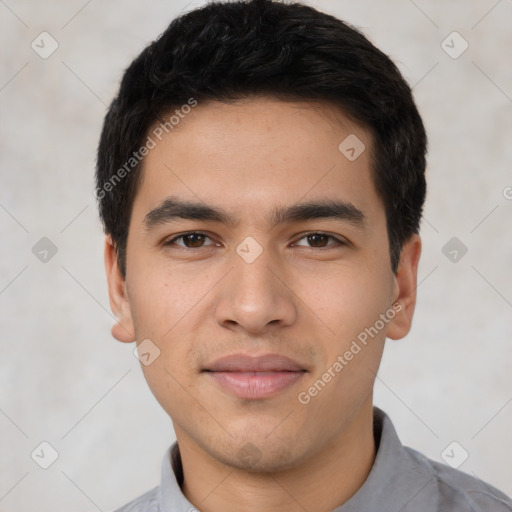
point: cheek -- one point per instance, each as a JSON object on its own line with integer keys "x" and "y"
{"x": 167, "y": 309}
{"x": 348, "y": 306}
{"x": 167, "y": 386}
{"x": 346, "y": 300}
{"x": 162, "y": 298}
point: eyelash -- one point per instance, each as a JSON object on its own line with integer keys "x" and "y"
{"x": 172, "y": 241}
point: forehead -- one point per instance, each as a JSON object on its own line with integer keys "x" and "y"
{"x": 255, "y": 152}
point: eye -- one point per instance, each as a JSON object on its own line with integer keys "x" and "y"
{"x": 191, "y": 240}
{"x": 319, "y": 240}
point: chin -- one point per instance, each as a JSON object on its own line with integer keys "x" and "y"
{"x": 261, "y": 457}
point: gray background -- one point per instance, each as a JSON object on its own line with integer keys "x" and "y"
{"x": 64, "y": 380}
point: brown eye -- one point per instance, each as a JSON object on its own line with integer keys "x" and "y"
{"x": 191, "y": 240}
{"x": 318, "y": 240}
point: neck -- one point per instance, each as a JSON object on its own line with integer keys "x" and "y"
{"x": 323, "y": 482}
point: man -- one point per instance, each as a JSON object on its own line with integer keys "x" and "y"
{"x": 261, "y": 182}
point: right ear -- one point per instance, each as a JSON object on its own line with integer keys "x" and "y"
{"x": 123, "y": 330}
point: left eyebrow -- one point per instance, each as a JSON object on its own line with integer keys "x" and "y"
{"x": 173, "y": 207}
{"x": 324, "y": 209}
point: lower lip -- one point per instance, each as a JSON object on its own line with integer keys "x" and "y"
{"x": 255, "y": 385}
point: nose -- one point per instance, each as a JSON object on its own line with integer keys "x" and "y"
{"x": 255, "y": 297}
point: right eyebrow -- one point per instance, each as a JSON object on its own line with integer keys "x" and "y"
{"x": 172, "y": 208}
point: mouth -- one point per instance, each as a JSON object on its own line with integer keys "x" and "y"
{"x": 254, "y": 377}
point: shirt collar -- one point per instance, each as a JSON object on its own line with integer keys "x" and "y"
{"x": 398, "y": 481}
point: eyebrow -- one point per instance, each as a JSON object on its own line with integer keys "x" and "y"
{"x": 172, "y": 208}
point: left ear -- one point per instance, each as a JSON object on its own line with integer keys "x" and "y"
{"x": 404, "y": 293}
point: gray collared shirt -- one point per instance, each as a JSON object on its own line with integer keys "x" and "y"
{"x": 401, "y": 480}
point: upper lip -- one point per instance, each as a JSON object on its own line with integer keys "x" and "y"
{"x": 252, "y": 363}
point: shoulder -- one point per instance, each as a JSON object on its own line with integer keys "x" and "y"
{"x": 459, "y": 491}
{"x": 147, "y": 502}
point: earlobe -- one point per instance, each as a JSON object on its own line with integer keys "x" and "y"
{"x": 123, "y": 330}
{"x": 404, "y": 294}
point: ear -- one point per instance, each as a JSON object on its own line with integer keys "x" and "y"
{"x": 404, "y": 293}
{"x": 123, "y": 330}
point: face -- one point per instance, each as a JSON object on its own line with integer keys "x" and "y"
{"x": 258, "y": 274}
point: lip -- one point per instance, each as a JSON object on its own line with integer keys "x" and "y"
{"x": 251, "y": 363}
{"x": 254, "y": 377}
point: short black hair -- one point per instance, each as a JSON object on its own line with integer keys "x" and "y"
{"x": 227, "y": 51}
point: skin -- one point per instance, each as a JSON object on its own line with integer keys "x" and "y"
{"x": 302, "y": 298}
